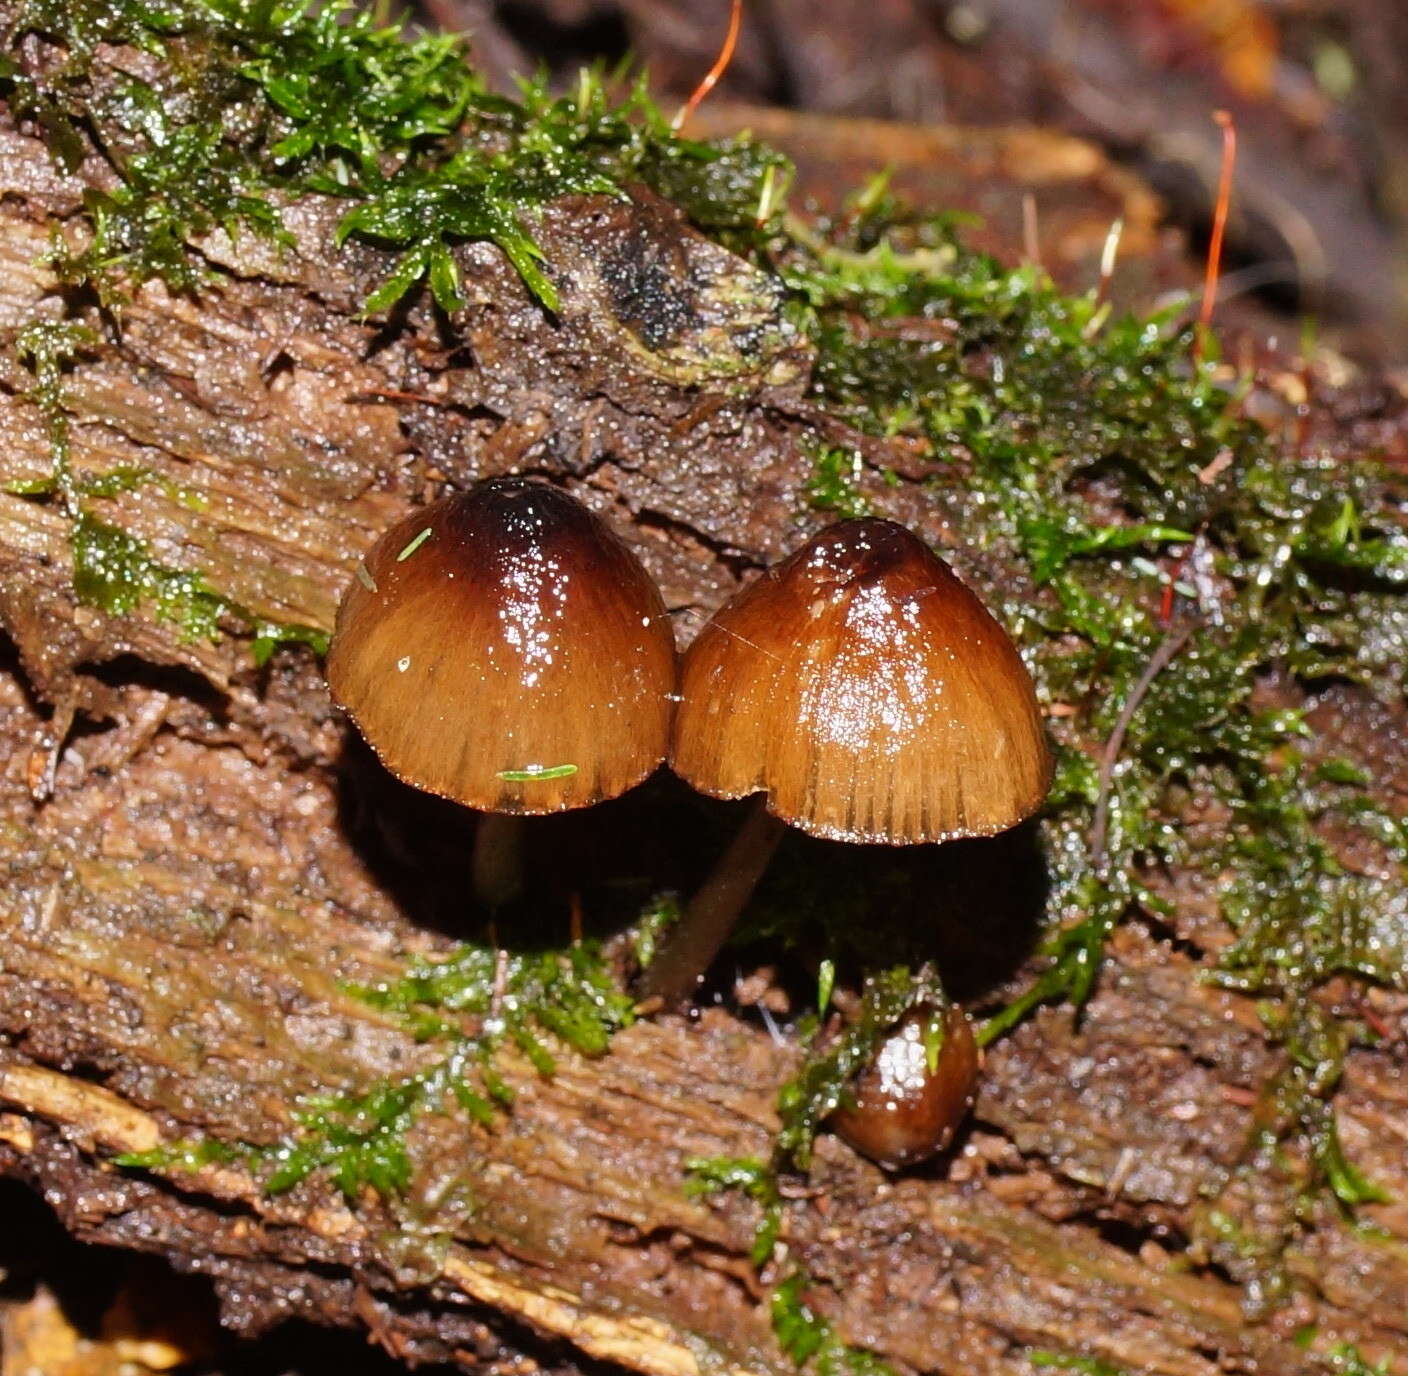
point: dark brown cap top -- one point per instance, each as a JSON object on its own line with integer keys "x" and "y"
{"x": 869, "y": 692}
{"x": 505, "y": 649}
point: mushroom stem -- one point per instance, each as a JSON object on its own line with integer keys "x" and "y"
{"x": 713, "y": 910}
{"x": 497, "y": 861}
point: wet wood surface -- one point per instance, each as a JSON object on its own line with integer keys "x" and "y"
{"x": 191, "y": 877}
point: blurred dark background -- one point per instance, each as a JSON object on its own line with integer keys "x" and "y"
{"x": 1318, "y": 92}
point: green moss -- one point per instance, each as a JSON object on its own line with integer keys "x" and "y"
{"x": 654, "y": 920}
{"x": 111, "y": 570}
{"x": 1344, "y": 1359}
{"x": 260, "y": 99}
{"x": 271, "y": 635}
{"x": 569, "y": 993}
{"x": 125, "y": 478}
{"x": 114, "y": 572}
{"x": 470, "y": 1004}
{"x": 186, "y": 1156}
{"x": 1067, "y": 1361}
{"x": 358, "y": 1140}
{"x": 809, "y": 1339}
{"x": 755, "y": 1179}
{"x": 832, "y": 486}
{"x": 48, "y": 349}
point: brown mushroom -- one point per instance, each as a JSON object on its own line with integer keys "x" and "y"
{"x": 503, "y": 648}
{"x": 869, "y": 696}
{"x": 905, "y": 1105}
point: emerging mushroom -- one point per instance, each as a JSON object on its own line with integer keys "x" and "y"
{"x": 907, "y": 1102}
{"x": 503, "y": 648}
{"x": 870, "y": 696}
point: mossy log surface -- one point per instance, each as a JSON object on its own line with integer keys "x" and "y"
{"x": 196, "y": 858}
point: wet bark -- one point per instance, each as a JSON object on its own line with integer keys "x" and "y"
{"x": 197, "y": 858}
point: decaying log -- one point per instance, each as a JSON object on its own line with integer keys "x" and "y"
{"x": 197, "y": 859}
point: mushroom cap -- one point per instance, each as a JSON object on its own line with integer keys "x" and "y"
{"x": 901, "y": 1111}
{"x": 869, "y": 692}
{"x": 505, "y": 649}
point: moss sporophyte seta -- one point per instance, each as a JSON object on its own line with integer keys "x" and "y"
{"x": 1089, "y": 461}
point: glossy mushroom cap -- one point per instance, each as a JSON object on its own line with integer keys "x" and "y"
{"x": 903, "y": 1109}
{"x": 869, "y": 692}
{"x": 505, "y": 649}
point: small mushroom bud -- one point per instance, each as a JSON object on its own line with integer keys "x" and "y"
{"x": 906, "y": 1104}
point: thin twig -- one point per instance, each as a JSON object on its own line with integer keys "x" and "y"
{"x": 1171, "y": 644}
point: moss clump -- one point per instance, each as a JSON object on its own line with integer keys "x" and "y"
{"x": 806, "y": 1337}
{"x": 755, "y": 1179}
{"x": 470, "y": 1005}
{"x": 832, "y": 486}
{"x": 47, "y": 348}
{"x": 359, "y": 1140}
{"x": 569, "y": 993}
{"x": 1069, "y": 1361}
{"x": 1344, "y": 1359}
{"x": 261, "y": 100}
{"x": 112, "y": 570}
